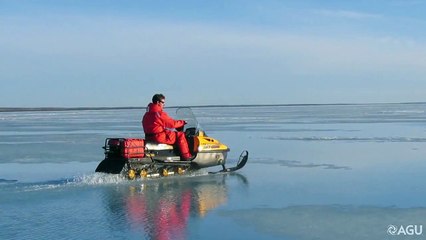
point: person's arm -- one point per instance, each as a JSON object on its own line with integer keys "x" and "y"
{"x": 170, "y": 122}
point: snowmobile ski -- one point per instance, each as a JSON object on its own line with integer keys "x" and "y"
{"x": 240, "y": 164}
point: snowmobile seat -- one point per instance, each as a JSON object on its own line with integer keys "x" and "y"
{"x": 151, "y": 145}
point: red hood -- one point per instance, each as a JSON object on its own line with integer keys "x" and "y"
{"x": 154, "y": 108}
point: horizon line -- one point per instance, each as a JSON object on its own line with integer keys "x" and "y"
{"x": 46, "y": 109}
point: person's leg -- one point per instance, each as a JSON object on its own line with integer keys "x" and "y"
{"x": 177, "y": 139}
{"x": 183, "y": 146}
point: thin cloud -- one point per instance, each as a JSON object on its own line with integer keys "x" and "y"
{"x": 347, "y": 14}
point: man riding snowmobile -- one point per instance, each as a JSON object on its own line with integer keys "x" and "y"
{"x": 158, "y": 126}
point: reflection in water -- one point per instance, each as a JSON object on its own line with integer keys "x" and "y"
{"x": 161, "y": 208}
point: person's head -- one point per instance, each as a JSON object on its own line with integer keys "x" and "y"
{"x": 158, "y": 99}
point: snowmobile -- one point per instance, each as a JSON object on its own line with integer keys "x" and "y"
{"x": 136, "y": 157}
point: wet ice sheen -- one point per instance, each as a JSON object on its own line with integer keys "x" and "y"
{"x": 315, "y": 172}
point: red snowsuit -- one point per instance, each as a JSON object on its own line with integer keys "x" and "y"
{"x": 157, "y": 124}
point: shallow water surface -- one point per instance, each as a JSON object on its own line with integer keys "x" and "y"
{"x": 314, "y": 172}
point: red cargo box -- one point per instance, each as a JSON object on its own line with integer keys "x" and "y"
{"x": 133, "y": 148}
{"x": 125, "y": 147}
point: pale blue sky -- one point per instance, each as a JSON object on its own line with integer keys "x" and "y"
{"x": 72, "y": 53}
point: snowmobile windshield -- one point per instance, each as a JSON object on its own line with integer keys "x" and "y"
{"x": 187, "y": 115}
